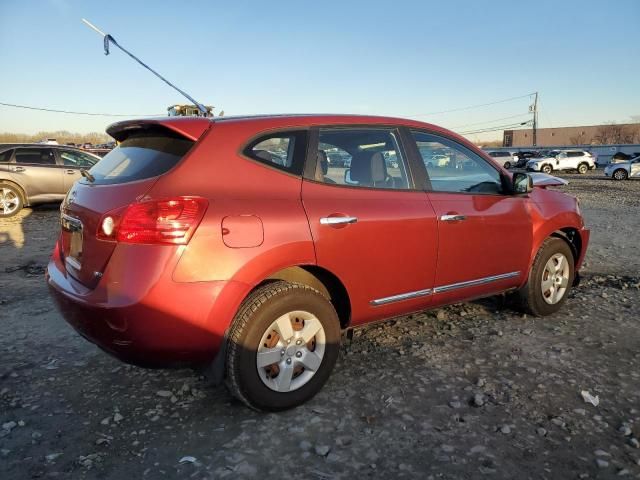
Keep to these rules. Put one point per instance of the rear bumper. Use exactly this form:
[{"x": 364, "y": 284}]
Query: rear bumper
[{"x": 152, "y": 321}]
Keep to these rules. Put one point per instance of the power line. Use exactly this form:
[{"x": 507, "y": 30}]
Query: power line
[
  {"x": 504, "y": 100},
  {"x": 42, "y": 109},
  {"x": 495, "y": 129},
  {"x": 491, "y": 121}
]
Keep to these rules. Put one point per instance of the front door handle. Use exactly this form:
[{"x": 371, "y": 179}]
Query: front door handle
[
  {"x": 71, "y": 172},
  {"x": 452, "y": 218},
  {"x": 337, "y": 220},
  {"x": 18, "y": 169}
]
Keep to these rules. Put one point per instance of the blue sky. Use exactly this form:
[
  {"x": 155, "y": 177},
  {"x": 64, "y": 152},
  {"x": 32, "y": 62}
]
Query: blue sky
[{"x": 402, "y": 58}]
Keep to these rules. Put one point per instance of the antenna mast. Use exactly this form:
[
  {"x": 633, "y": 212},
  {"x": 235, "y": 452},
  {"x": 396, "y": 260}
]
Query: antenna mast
[{"x": 109, "y": 39}]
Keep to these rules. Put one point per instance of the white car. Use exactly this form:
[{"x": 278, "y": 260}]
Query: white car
[
  {"x": 623, "y": 170},
  {"x": 563, "y": 160},
  {"x": 503, "y": 158}
]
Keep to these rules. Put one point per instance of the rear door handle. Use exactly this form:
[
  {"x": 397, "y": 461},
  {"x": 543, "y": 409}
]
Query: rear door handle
[
  {"x": 337, "y": 220},
  {"x": 18, "y": 169},
  {"x": 452, "y": 218},
  {"x": 71, "y": 172}
]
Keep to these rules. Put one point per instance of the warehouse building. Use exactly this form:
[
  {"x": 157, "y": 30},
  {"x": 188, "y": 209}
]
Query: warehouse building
[{"x": 585, "y": 135}]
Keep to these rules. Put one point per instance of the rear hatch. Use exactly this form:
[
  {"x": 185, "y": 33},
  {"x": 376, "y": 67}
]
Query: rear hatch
[{"x": 146, "y": 150}]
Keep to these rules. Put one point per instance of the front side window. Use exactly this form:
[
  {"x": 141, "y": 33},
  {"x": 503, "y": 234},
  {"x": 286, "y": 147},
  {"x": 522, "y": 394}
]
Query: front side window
[
  {"x": 454, "y": 168},
  {"x": 71, "y": 158},
  {"x": 283, "y": 150},
  {"x": 361, "y": 157},
  {"x": 35, "y": 156},
  {"x": 5, "y": 156}
]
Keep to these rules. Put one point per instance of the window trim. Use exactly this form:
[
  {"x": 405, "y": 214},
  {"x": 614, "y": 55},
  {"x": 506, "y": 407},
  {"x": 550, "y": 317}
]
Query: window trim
[
  {"x": 506, "y": 191},
  {"x": 312, "y": 156},
  {"x": 299, "y": 157}
]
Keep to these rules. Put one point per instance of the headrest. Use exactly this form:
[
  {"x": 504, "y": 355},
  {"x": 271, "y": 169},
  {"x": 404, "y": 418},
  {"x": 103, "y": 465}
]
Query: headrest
[
  {"x": 368, "y": 168},
  {"x": 322, "y": 166}
]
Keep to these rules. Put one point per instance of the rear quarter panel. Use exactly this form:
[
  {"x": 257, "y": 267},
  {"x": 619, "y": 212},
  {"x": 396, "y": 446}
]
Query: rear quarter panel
[{"x": 237, "y": 188}]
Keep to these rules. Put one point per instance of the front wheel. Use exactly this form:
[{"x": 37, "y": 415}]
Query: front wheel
[
  {"x": 507, "y": 165},
  {"x": 583, "y": 168},
  {"x": 620, "y": 174},
  {"x": 547, "y": 169},
  {"x": 283, "y": 344},
  {"x": 550, "y": 279}
]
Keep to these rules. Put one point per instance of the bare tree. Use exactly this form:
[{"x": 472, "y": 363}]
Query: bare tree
[{"x": 614, "y": 134}]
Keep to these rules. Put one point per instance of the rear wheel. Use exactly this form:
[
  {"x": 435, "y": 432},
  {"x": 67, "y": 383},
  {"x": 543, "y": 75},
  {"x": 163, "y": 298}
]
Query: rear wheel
[
  {"x": 583, "y": 168},
  {"x": 283, "y": 345},
  {"x": 547, "y": 168},
  {"x": 620, "y": 174},
  {"x": 10, "y": 200},
  {"x": 507, "y": 165},
  {"x": 550, "y": 279}
]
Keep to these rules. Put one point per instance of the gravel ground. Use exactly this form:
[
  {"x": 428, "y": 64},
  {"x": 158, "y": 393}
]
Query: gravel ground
[{"x": 474, "y": 390}]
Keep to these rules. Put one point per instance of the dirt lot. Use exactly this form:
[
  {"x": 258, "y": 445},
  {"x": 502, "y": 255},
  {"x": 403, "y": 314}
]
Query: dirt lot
[{"x": 471, "y": 391}]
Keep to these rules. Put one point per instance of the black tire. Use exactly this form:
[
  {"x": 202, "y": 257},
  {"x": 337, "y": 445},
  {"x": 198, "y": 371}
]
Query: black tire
[
  {"x": 546, "y": 169},
  {"x": 530, "y": 297},
  {"x": 619, "y": 174},
  {"x": 9, "y": 192},
  {"x": 507, "y": 165},
  {"x": 256, "y": 314},
  {"x": 583, "y": 168}
]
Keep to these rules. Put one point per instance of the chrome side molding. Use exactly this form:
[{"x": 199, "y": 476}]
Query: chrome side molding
[
  {"x": 443, "y": 289},
  {"x": 475, "y": 283},
  {"x": 400, "y": 297}
]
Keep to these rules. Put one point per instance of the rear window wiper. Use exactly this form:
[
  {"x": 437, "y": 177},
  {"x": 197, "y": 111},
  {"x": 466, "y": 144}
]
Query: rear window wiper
[{"x": 87, "y": 175}]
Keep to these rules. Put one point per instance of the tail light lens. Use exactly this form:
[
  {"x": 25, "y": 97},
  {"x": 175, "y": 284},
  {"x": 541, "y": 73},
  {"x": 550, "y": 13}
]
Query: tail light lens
[{"x": 168, "y": 221}]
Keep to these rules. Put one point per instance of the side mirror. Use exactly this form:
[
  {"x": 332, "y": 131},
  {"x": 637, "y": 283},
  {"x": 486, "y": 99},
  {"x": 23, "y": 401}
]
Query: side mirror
[{"x": 521, "y": 183}]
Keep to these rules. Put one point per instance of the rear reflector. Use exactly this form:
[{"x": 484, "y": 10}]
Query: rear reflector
[{"x": 168, "y": 221}]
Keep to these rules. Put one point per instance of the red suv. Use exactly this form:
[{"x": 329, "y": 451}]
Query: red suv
[{"x": 234, "y": 242}]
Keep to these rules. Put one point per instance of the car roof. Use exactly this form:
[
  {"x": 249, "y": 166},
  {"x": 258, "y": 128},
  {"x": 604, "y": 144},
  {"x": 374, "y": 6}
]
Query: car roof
[
  {"x": 9, "y": 146},
  {"x": 194, "y": 127}
]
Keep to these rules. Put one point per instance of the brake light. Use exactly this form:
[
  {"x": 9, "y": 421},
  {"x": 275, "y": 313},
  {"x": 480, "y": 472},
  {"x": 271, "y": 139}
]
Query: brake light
[{"x": 167, "y": 221}]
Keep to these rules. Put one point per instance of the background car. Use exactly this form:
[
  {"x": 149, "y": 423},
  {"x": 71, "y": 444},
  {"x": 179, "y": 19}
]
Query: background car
[
  {"x": 38, "y": 173},
  {"x": 504, "y": 158},
  {"x": 578, "y": 160},
  {"x": 521, "y": 158},
  {"x": 622, "y": 170}
]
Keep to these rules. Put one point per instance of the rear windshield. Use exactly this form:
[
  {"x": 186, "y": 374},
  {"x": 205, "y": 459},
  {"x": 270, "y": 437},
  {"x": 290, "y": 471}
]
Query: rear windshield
[{"x": 143, "y": 154}]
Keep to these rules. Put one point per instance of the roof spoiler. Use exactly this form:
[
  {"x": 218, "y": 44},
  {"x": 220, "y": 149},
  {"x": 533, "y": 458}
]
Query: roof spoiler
[{"x": 189, "y": 127}]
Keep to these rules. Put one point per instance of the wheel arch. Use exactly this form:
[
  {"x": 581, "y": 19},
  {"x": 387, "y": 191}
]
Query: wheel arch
[
  {"x": 322, "y": 280},
  {"x": 572, "y": 236},
  {"x": 21, "y": 190}
]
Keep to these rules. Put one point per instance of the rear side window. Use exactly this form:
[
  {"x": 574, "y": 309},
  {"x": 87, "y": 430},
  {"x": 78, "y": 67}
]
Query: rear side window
[
  {"x": 282, "y": 150},
  {"x": 143, "y": 154},
  {"x": 35, "y": 156}
]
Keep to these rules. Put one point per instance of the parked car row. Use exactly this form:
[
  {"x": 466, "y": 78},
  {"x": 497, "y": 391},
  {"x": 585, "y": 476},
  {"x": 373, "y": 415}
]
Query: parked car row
[{"x": 546, "y": 161}]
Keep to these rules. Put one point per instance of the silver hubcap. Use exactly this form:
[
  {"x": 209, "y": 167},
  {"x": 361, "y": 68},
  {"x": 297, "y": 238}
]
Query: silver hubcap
[
  {"x": 8, "y": 201},
  {"x": 555, "y": 278},
  {"x": 291, "y": 351},
  {"x": 619, "y": 175}
]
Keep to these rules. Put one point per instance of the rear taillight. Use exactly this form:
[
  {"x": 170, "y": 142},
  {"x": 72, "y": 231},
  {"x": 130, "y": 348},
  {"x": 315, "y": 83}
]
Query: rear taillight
[{"x": 167, "y": 221}]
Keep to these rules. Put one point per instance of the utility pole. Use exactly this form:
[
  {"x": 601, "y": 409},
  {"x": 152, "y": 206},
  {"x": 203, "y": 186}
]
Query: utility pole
[{"x": 534, "y": 110}]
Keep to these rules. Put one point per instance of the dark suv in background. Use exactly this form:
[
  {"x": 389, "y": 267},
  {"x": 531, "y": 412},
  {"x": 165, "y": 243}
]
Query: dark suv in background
[{"x": 38, "y": 173}]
